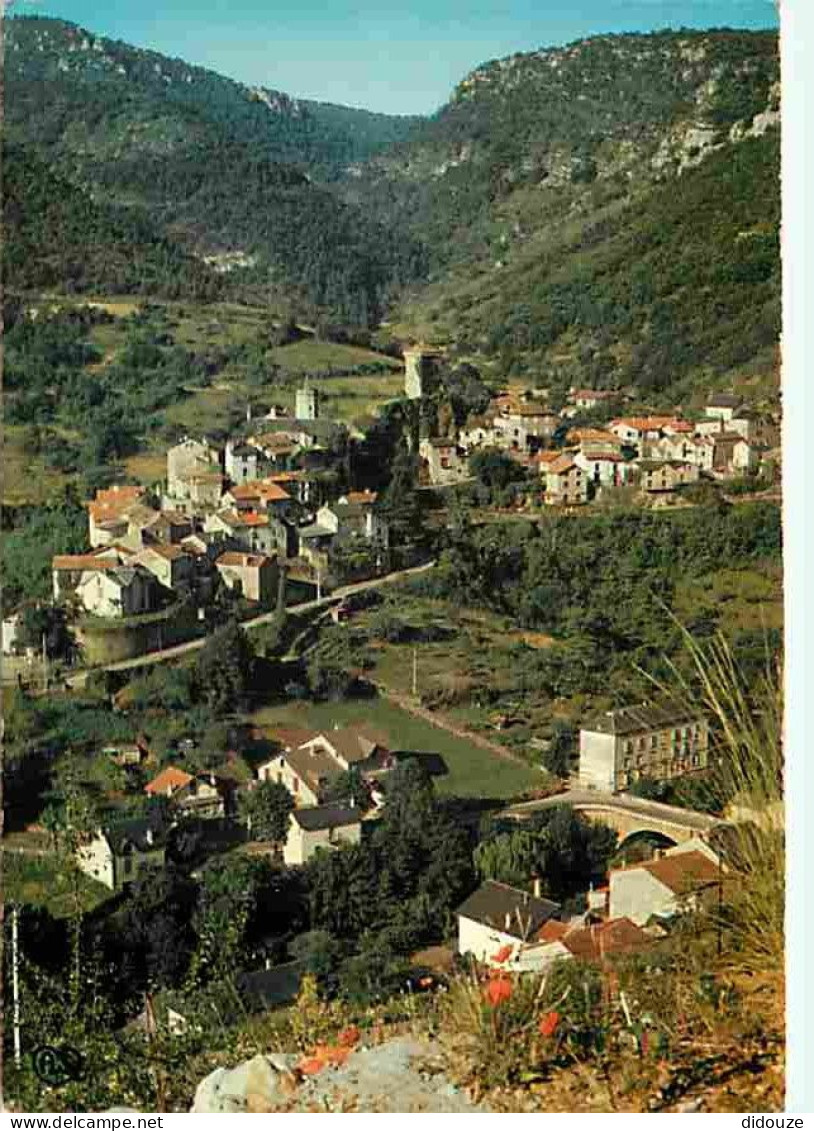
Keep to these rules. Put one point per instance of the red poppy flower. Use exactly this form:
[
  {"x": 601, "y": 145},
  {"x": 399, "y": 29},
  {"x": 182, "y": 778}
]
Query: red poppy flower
[
  {"x": 548, "y": 1023},
  {"x": 503, "y": 954},
  {"x": 349, "y": 1037},
  {"x": 498, "y": 990}
]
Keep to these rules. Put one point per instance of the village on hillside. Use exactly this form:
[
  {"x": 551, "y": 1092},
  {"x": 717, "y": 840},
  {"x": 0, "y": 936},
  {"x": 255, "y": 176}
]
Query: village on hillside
[
  {"x": 276, "y": 501},
  {"x": 230, "y": 528}
]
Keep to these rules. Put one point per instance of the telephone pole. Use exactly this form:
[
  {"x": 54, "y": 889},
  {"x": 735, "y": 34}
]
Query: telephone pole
[{"x": 15, "y": 983}]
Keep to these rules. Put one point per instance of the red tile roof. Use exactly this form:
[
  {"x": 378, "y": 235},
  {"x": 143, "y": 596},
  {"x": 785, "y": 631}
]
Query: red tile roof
[
  {"x": 644, "y": 423},
  {"x": 267, "y": 490},
  {"x": 355, "y": 497},
  {"x": 250, "y": 561},
  {"x": 616, "y": 936},
  {"x": 82, "y": 562},
  {"x": 562, "y": 464},
  {"x": 683, "y": 872},
  {"x": 552, "y": 931},
  {"x": 169, "y": 780},
  {"x": 545, "y": 457},
  {"x": 170, "y": 553}
]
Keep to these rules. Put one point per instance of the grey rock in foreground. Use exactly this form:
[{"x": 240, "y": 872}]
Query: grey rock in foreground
[{"x": 399, "y": 1076}]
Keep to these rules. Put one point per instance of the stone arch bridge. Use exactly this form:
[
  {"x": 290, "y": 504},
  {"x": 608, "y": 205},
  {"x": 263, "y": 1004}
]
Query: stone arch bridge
[{"x": 626, "y": 814}]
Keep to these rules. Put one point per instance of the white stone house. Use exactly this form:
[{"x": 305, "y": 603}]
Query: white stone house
[
  {"x": 733, "y": 455},
  {"x": 723, "y": 406},
  {"x": 241, "y": 461},
  {"x": 187, "y": 460},
  {"x": 67, "y": 569},
  {"x": 518, "y": 423},
  {"x": 478, "y": 432},
  {"x": 604, "y": 469},
  {"x": 123, "y": 591},
  {"x": 636, "y": 430},
  {"x": 116, "y": 856},
  {"x": 566, "y": 482},
  {"x": 321, "y": 828},
  {"x": 353, "y": 516},
  {"x": 498, "y": 916},
  {"x": 256, "y": 575},
  {"x": 681, "y": 880},
  {"x": 170, "y": 565},
  {"x": 309, "y": 761},
  {"x": 645, "y": 741}
]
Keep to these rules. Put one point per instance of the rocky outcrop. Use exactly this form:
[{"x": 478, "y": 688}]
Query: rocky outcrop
[{"x": 401, "y": 1075}]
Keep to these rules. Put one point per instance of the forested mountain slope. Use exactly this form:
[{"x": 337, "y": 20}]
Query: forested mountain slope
[
  {"x": 605, "y": 212},
  {"x": 215, "y": 165}
]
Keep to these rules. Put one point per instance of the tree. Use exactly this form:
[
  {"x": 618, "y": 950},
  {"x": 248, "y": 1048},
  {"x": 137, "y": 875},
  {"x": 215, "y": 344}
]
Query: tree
[
  {"x": 153, "y": 927},
  {"x": 349, "y": 787},
  {"x": 320, "y": 954},
  {"x": 49, "y": 623},
  {"x": 334, "y": 664},
  {"x": 558, "y": 759},
  {"x": 224, "y": 669},
  {"x": 495, "y": 470},
  {"x": 559, "y": 846},
  {"x": 267, "y": 809},
  {"x": 229, "y": 895},
  {"x": 508, "y": 857},
  {"x": 400, "y": 505}
]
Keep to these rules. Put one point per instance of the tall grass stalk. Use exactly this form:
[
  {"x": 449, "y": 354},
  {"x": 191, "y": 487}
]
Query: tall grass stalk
[{"x": 747, "y": 768}]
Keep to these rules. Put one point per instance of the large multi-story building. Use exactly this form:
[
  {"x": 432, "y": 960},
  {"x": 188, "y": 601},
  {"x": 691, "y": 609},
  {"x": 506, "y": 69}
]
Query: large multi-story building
[{"x": 661, "y": 742}]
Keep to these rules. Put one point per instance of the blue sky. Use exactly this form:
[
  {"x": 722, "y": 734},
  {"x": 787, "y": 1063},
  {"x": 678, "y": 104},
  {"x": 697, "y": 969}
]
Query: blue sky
[{"x": 393, "y": 58}]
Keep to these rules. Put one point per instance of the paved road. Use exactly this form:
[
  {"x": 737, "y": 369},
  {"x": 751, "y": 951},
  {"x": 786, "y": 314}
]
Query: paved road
[
  {"x": 623, "y": 803},
  {"x": 77, "y": 678}
]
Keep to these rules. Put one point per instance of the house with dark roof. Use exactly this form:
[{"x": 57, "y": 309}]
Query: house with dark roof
[
  {"x": 120, "y": 591},
  {"x": 684, "y": 879},
  {"x": 321, "y": 828},
  {"x": 241, "y": 461},
  {"x": 644, "y": 741},
  {"x": 115, "y": 856},
  {"x": 497, "y": 916},
  {"x": 723, "y": 406}
]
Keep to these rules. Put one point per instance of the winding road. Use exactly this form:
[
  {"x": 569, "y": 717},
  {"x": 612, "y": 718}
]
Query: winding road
[{"x": 178, "y": 651}]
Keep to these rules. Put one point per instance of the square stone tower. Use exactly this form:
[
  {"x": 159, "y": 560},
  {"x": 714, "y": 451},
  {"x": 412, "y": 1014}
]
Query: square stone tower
[
  {"x": 421, "y": 371},
  {"x": 307, "y": 403}
]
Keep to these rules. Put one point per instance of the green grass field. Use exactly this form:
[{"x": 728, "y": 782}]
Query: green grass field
[
  {"x": 473, "y": 771},
  {"x": 43, "y": 881}
]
